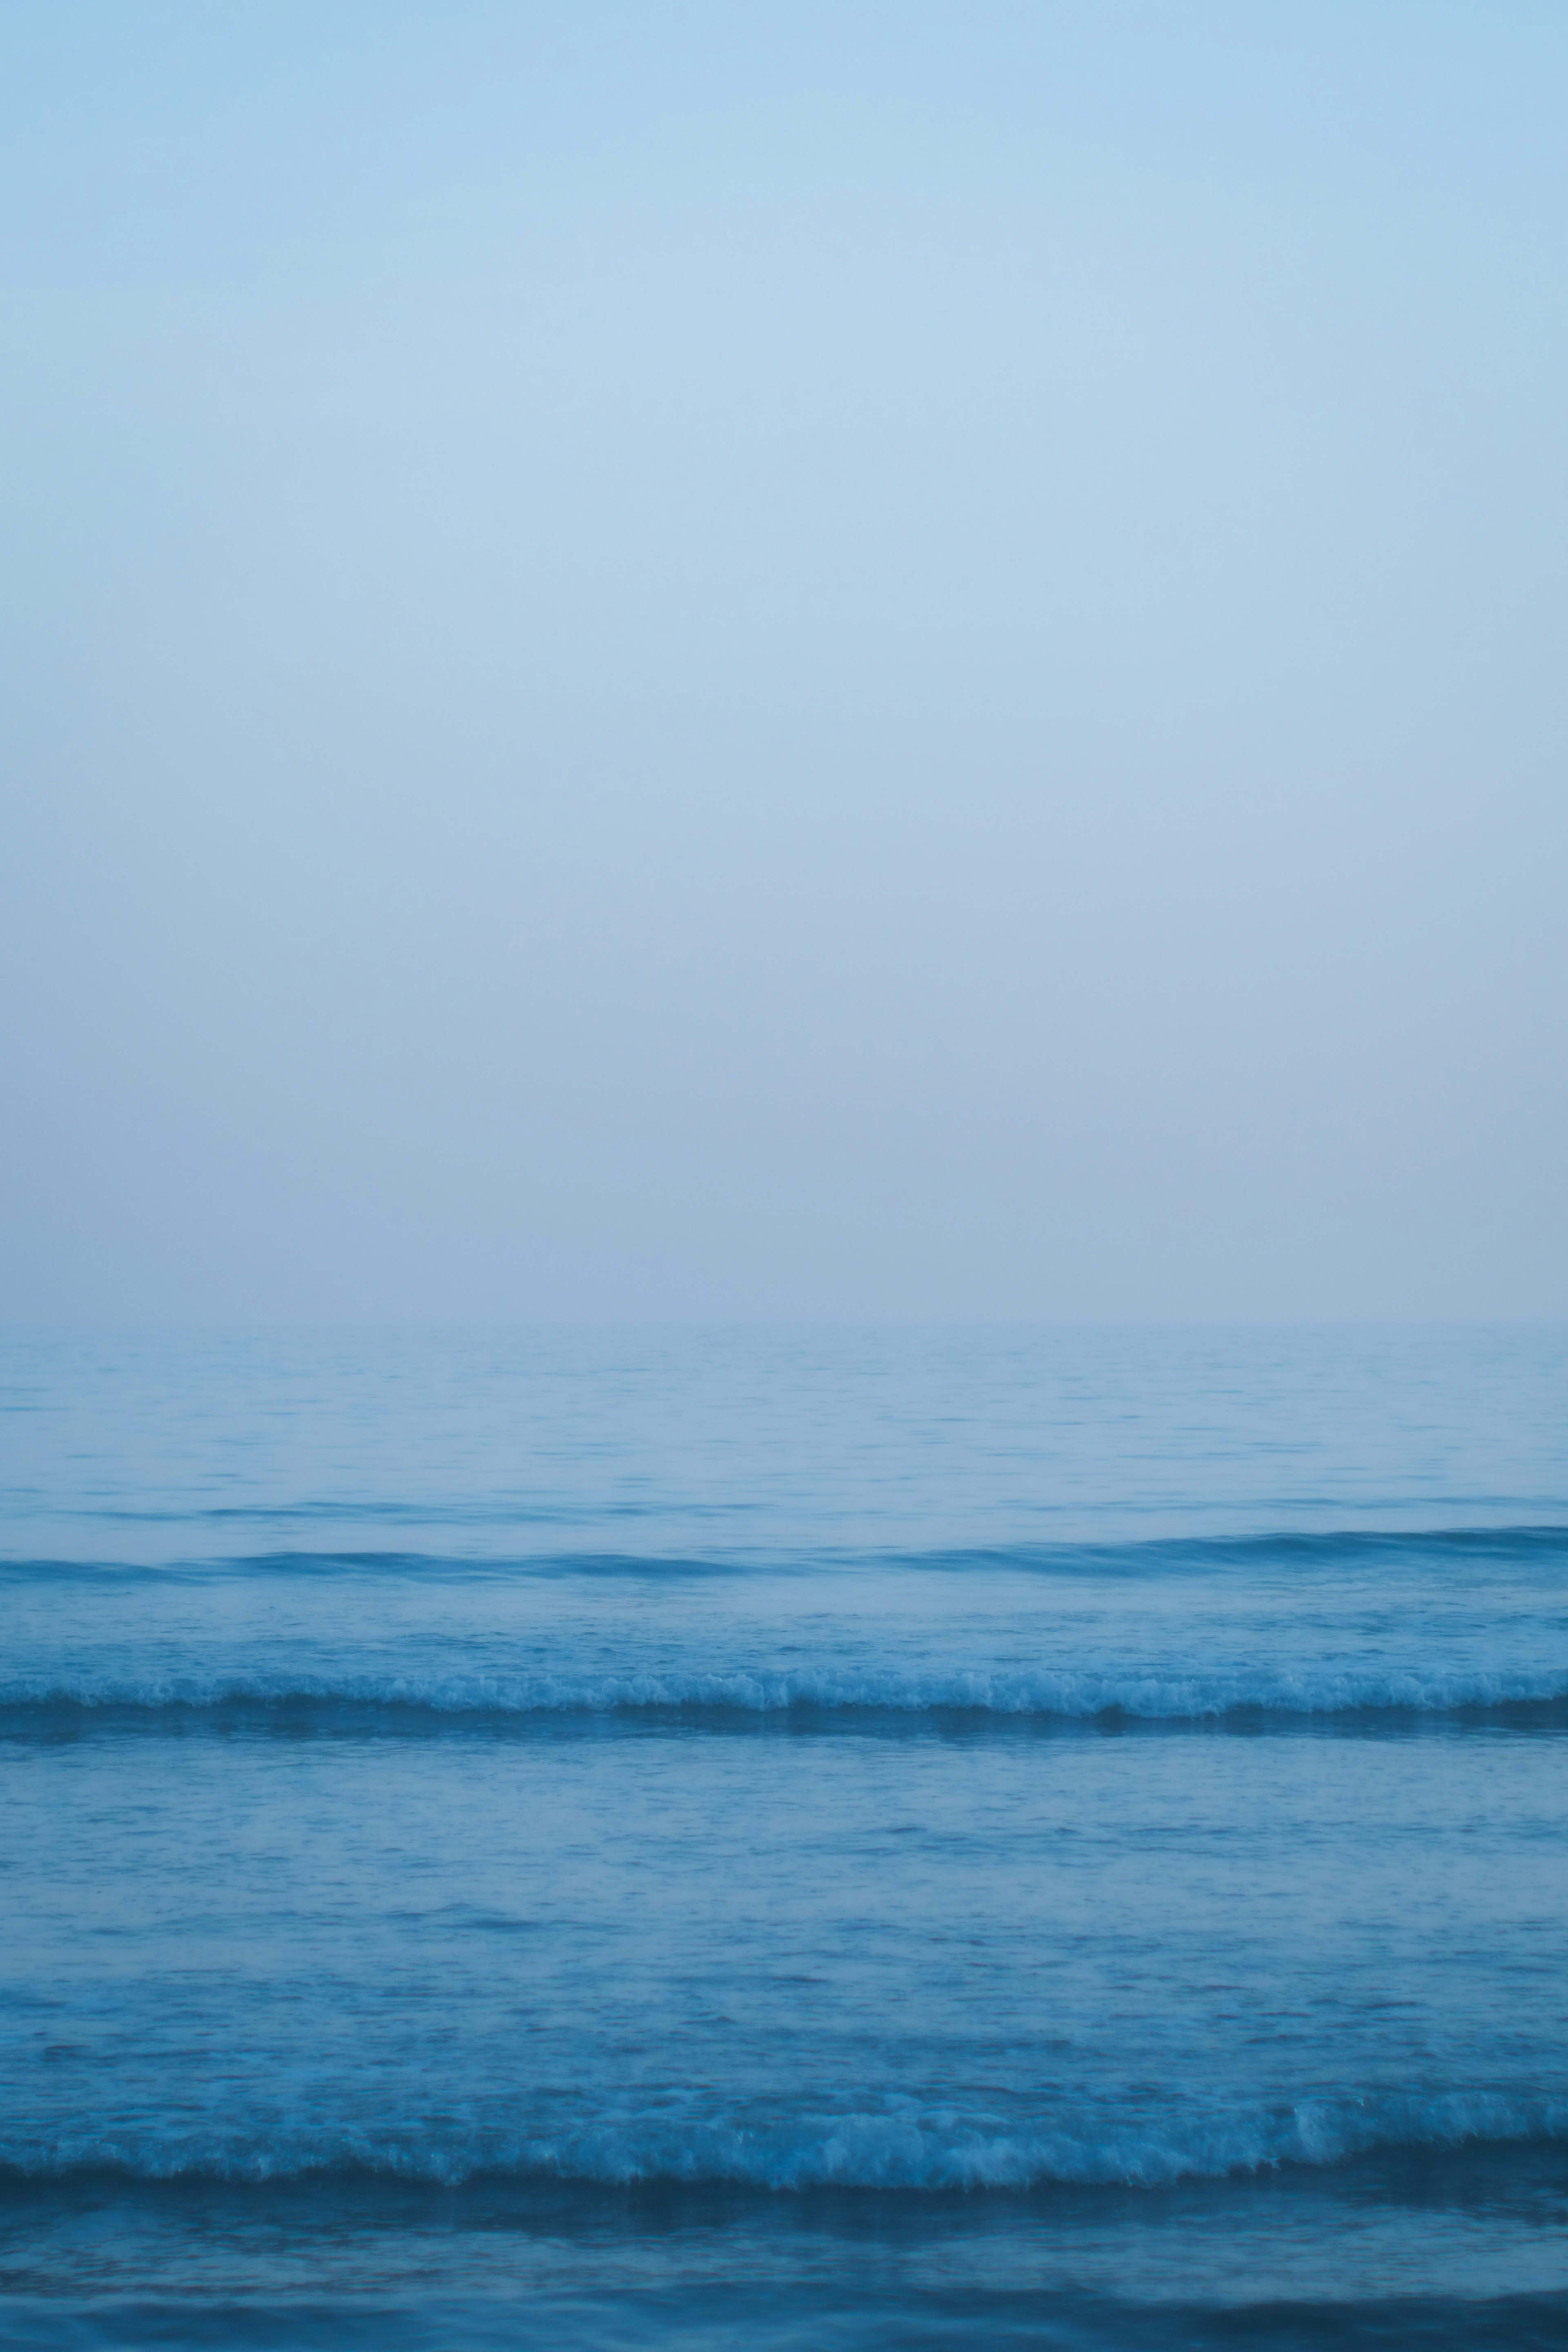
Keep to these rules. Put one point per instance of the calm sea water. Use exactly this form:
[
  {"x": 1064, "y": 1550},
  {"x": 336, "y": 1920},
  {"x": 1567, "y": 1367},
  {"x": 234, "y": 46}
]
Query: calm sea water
[{"x": 784, "y": 1839}]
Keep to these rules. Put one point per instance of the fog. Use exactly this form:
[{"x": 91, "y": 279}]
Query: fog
[{"x": 816, "y": 660}]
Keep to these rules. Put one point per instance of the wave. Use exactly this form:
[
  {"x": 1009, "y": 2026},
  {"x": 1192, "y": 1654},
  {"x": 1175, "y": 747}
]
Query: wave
[
  {"x": 926, "y": 2150},
  {"x": 1281, "y": 1547},
  {"x": 437, "y": 1702},
  {"x": 446, "y": 1568},
  {"x": 1324, "y": 1551}
]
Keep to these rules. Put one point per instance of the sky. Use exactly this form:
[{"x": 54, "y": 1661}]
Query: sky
[{"x": 743, "y": 661}]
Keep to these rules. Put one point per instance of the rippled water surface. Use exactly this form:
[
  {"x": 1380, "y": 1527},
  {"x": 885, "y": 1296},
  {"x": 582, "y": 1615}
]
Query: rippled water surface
[{"x": 858, "y": 1838}]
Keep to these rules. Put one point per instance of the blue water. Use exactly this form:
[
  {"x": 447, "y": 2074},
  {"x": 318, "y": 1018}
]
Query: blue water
[{"x": 831, "y": 1839}]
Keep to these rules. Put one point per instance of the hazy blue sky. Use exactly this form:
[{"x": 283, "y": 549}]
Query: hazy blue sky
[{"x": 783, "y": 659}]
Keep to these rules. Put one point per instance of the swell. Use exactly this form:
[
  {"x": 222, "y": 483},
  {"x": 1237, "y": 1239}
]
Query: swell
[
  {"x": 1389, "y": 1551},
  {"x": 922, "y": 2150},
  {"x": 437, "y": 1705},
  {"x": 862, "y": 2313}
]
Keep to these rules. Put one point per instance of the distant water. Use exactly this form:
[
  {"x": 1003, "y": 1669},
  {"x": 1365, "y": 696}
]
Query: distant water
[{"x": 793, "y": 1839}]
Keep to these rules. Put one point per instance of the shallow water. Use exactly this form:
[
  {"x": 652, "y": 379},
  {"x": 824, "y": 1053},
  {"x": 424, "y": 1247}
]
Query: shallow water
[{"x": 796, "y": 1838}]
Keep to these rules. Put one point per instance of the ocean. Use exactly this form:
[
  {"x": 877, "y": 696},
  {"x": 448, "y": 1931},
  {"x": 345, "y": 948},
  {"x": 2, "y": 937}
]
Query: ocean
[{"x": 784, "y": 1838}]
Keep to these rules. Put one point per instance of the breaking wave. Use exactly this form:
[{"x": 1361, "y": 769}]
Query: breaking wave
[
  {"x": 1043, "y": 1694},
  {"x": 922, "y": 2149}
]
